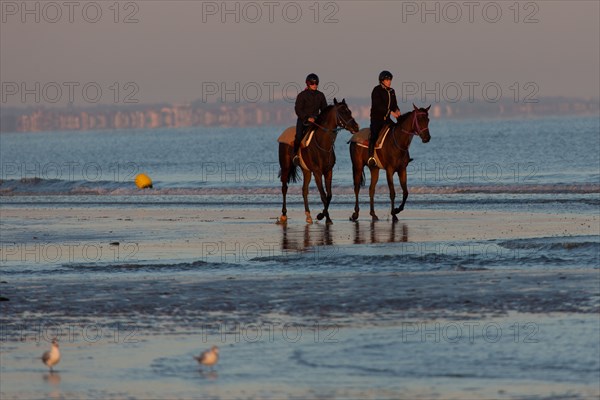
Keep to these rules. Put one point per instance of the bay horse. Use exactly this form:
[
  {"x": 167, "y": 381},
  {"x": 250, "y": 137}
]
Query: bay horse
[
  {"x": 318, "y": 158},
  {"x": 393, "y": 158}
]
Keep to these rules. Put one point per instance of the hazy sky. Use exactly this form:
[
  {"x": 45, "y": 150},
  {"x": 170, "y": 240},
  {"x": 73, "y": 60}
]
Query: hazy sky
[{"x": 178, "y": 51}]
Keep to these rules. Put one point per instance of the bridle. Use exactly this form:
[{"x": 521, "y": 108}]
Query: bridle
[
  {"x": 415, "y": 129},
  {"x": 340, "y": 122}
]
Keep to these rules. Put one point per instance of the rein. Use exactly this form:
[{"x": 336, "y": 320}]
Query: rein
[
  {"x": 339, "y": 126},
  {"x": 336, "y": 129},
  {"x": 415, "y": 129}
]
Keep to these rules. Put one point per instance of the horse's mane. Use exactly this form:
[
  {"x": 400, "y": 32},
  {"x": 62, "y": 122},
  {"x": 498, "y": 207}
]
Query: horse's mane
[
  {"x": 403, "y": 118},
  {"x": 321, "y": 118}
]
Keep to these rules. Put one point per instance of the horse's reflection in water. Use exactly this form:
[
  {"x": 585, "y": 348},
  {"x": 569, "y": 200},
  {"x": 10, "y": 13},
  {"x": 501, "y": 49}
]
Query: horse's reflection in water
[
  {"x": 379, "y": 233},
  {"x": 303, "y": 238},
  {"x": 308, "y": 236}
]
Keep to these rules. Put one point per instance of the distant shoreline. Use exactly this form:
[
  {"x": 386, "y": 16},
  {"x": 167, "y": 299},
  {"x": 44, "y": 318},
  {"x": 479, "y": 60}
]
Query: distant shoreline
[{"x": 243, "y": 114}]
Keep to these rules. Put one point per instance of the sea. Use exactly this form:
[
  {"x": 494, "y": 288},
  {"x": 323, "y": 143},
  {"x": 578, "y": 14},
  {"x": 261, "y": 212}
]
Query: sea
[
  {"x": 548, "y": 165},
  {"x": 538, "y": 163}
]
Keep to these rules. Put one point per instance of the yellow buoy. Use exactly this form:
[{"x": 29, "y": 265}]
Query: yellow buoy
[{"x": 143, "y": 181}]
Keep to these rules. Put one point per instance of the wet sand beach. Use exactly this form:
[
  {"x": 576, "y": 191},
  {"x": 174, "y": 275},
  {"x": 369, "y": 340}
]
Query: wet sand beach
[{"x": 442, "y": 304}]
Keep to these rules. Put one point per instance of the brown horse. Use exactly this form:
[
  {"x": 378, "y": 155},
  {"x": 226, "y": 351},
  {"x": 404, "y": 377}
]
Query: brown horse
[
  {"x": 318, "y": 158},
  {"x": 393, "y": 158}
]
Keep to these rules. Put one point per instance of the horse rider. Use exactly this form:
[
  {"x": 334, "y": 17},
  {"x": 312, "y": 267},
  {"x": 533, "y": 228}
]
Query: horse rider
[
  {"x": 309, "y": 104},
  {"x": 383, "y": 105}
]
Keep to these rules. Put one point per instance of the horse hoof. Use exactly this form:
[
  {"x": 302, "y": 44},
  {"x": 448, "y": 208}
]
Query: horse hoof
[
  {"x": 320, "y": 216},
  {"x": 328, "y": 221},
  {"x": 394, "y": 218},
  {"x": 354, "y": 217},
  {"x": 309, "y": 219},
  {"x": 374, "y": 218},
  {"x": 282, "y": 219}
]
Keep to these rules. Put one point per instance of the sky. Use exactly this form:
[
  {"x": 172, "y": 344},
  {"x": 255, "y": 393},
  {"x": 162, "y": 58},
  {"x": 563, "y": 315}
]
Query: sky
[{"x": 108, "y": 52}]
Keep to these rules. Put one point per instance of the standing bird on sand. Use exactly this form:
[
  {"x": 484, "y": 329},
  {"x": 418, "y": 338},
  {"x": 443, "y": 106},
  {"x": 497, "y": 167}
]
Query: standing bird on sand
[
  {"x": 209, "y": 357},
  {"x": 52, "y": 356}
]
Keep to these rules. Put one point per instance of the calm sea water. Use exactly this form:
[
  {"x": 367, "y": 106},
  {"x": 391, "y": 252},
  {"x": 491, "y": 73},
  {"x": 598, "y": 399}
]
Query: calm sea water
[{"x": 537, "y": 156}]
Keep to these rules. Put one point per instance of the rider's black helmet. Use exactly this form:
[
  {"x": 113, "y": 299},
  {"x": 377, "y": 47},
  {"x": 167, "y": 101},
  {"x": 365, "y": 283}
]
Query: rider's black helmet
[
  {"x": 385, "y": 75},
  {"x": 312, "y": 78}
]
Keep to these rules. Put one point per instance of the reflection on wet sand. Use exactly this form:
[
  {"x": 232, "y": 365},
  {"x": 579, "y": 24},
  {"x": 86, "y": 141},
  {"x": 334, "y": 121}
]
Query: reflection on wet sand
[
  {"x": 380, "y": 233},
  {"x": 301, "y": 238},
  {"x": 53, "y": 378},
  {"x": 208, "y": 375}
]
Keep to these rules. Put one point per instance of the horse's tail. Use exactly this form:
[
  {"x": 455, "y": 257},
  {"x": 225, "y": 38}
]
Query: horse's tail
[
  {"x": 293, "y": 173},
  {"x": 285, "y": 162},
  {"x": 355, "y": 162}
]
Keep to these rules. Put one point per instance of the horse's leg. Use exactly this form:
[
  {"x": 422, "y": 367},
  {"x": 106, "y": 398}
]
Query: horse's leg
[
  {"x": 402, "y": 175},
  {"x": 328, "y": 179},
  {"x": 325, "y": 196},
  {"x": 356, "y": 175},
  {"x": 389, "y": 174},
  {"x": 284, "y": 164},
  {"x": 305, "y": 195},
  {"x": 284, "y": 189},
  {"x": 374, "y": 178}
]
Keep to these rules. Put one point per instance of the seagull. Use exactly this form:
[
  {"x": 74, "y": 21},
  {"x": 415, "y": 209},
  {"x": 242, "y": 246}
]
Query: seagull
[
  {"x": 209, "y": 357},
  {"x": 52, "y": 356}
]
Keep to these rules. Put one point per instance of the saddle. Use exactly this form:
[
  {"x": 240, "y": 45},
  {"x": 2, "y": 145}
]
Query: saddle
[
  {"x": 361, "y": 138},
  {"x": 289, "y": 134}
]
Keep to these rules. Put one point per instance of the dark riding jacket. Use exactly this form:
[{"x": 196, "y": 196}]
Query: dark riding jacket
[
  {"x": 383, "y": 101},
  {"x": 309, "y": 103}
]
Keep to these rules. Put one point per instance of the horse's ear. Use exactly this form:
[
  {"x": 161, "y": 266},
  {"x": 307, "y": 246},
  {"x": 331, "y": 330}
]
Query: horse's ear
[
  {"x": 343, "y": 101},
  {"x": 335, "y": 101},
  {"x": 415, "y": 107},
  {"x": 427, "y": 109}
]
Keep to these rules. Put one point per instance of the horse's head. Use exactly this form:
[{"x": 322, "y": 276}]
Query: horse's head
[
  {"x": 344, "y": 116},
  {"x": 420, "y": 123}
]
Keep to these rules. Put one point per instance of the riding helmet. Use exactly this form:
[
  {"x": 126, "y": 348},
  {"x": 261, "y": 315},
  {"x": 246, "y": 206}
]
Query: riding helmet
[
  {"x": 385, "y": 75},
  {"x": 312, "y": 78}
]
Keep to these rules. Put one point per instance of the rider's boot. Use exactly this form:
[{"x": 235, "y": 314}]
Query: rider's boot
[
  {"x": 371, "y": 161},
  {"x": 295, "y": 158}
]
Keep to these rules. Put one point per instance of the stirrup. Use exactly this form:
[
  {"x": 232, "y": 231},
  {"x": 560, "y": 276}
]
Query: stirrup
[{"x": 371, "y": 162}]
